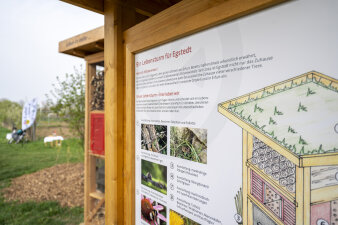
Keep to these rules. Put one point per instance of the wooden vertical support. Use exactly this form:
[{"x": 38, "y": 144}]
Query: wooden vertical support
[
  {"x": 300, "y": 195},
  {"x": 129, "y": 173},
  {"x": 249, "y": 156},
  {"x": 129, "y": 141},
  {"x": 307, "y": 195},
  {"x": 245, "y": 177},
  {"x": 114, "y": 113},
  {"x": 90, "y": 170}
]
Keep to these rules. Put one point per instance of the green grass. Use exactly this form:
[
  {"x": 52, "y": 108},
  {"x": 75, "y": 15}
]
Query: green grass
[
  {"x": 17, "y": 160},
  {"x": 32, "y": 213}
]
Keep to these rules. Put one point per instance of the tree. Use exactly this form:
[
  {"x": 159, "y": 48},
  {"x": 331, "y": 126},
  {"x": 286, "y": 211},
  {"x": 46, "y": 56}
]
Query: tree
[
  {"x": 10, "y": 113},
  {"x": 68, "y": 101}
]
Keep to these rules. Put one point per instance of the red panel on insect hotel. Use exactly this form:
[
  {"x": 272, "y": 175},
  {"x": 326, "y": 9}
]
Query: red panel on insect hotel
[{"x": 97, "y": 133}]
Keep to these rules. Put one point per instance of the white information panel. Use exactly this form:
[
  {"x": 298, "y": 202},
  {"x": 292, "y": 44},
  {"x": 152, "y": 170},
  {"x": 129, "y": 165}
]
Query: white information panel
[{"x": 190, "y": 116}]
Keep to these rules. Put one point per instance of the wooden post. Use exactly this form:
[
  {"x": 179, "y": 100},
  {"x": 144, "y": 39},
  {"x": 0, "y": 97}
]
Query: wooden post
[
  {"x": 307, "y": 195},
  {"x": 300, "y": 195},
  {"x": 114, "y": 113},
  {"x": 248, "y": 180},
  {"x": 129, "y": 173},
  {"x": 90, "y": 182},
  {"x": 245, "y": 177}
]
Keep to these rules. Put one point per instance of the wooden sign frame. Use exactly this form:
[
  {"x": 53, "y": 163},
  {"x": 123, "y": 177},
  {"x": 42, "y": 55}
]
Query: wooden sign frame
[{"x": 180, "y": 20}]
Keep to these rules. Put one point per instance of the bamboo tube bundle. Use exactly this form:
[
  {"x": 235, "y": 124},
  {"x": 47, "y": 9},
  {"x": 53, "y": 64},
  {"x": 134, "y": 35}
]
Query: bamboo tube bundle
[
  {"x": 261, "y": 165},
  {"x": 254, "y": 160},
  {"x": 283, "y": 165},
  {"x": 283, "y": 174},
  {"x": 289, "y": 163},
  {"x": 261, "y": 159},
  {"x": 275, "y": 160},
  {"x": 97, "y": 98},
  {"x": 275, "y": 168},
  {"x": 291, "y": 179},
  {"x": 283, "y": 181},
  {"x": 291, "y": 170},
  {"x": 274, "y": 164},
  {"x": 275, "y": 154},
  {"x": 275, "y": 176},
  {"x": 282, "y": 158},
  {"x": 291, "y": 187},
  {"x": 268, "y": 170},
  {"x": 269, "y": 155}
]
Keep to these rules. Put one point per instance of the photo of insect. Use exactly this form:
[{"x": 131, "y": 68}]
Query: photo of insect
[{"x": 153, "y": 212}]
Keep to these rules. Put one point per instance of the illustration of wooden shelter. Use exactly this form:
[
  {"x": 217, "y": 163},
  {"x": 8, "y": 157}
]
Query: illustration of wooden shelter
[{"x": 290, "y": 151}]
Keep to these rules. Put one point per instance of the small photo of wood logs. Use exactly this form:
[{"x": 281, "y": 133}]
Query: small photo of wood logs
[
  {"x": 154, "y": 138},
  {"x": 97, "y": 91}
]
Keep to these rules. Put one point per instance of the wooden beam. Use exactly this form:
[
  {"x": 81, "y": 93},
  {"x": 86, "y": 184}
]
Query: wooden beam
[
  {"x": 99, "y": 45},
  {"x": 144, "y": 13},
  {"x": 149, "y": 7},
  {"x": 92, "y": 5},
  {"x": 176, "y": 21},
  {"x": 88, "y": 37},
  {"x": 324, "y": 194},
  {"x": 78, "y": 53},
  {"x": 114, "y": 111}
]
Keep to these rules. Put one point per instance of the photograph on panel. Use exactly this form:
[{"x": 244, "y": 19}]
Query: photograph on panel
[
  {"x": 154, "y": 176},
  {"x": 189, "y": 143},
  {"x": 153, "y": 212},
  {"x": 178, "y": 219},
  {"x": 154, "y": 138}
]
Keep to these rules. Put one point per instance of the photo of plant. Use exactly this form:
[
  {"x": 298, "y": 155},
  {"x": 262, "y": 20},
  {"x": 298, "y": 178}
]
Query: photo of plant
[
  {"x": 153, "y": 212},
  {"x": 154, "y": 176},
  {"x": 189, "y": 143},
  {"x": 154, "y": 138},
  {"x": 178, "y": 219}
]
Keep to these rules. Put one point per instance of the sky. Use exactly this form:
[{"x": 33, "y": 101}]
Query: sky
[{"x": 30, "y": 33}]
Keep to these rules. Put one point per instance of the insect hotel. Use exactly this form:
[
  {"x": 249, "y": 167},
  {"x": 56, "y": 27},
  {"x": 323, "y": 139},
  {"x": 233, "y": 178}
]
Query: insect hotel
[{"x": 290, "y": 151}]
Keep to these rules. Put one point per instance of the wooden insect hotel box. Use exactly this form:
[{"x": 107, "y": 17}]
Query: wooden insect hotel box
[
  {"x": 90, "y": 47},
  {"x": 290, "y": 151}
]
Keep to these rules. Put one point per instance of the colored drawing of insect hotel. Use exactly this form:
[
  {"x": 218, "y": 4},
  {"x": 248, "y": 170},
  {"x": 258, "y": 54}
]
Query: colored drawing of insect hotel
[{"x": 290, "y": 151}]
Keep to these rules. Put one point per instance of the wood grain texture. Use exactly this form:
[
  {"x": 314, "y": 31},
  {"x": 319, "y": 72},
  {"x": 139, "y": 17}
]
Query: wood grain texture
[
  {"x": 129, "y": 170},
  {"x": 88, "y": 37},
  {"x": 187, "y": 17},
  {"x": 90, "y": 170},
  {"x": 307, "y": 195},
  {"x": 245, "y": 176},
  {"x": 114, "y": 109},
  {"x": 95, "y": 58},
  {"x": 325, "y": 194},
  {"x": 300, "y": 195},
  {"x": 92, "y": 5}
]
